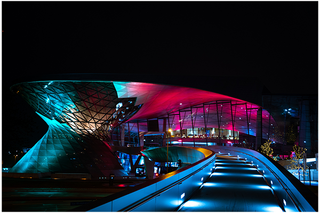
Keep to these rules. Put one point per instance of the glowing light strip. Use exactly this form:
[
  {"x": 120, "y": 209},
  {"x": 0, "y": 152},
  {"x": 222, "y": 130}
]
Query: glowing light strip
[
  {"x": 198, "y": 143},
  {"x": 236, "y": 168},
  {"x": 247, "y": 186}
]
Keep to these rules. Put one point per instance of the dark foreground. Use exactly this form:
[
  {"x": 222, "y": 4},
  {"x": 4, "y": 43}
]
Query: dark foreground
[{"x": 55, "y": 195}]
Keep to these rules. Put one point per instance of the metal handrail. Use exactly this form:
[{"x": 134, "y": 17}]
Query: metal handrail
[
  {"x": 159, "y": 192},
  {"x": 279, "y": 180}
]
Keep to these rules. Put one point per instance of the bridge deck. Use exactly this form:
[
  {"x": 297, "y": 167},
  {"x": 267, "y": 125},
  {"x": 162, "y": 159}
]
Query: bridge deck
[{"x": 234, "y": 186}]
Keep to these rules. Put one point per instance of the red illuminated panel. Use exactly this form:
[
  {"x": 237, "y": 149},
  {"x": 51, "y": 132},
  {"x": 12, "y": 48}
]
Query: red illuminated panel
[
  {"x": 158, "y": 100},
  {"x": 161, "y": 100}
]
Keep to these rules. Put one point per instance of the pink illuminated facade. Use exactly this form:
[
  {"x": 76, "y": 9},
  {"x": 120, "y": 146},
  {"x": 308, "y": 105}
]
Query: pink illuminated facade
[{"x": 194, "y": 113}]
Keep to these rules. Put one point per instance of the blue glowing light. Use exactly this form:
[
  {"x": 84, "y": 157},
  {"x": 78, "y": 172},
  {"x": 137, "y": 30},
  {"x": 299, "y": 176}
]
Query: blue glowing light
[
  {"x": 182, "y": 195},
  {"x": 120, "y": 88},
  {"x": 210, "y": 184},
  {"x": 238, "y": 168},
  {"x": 218, "y": 173},
  {"x": 272, "y": 209},
  {"x": 44, "y": 155},
  {"x": 247, "y": 186},
  {"x": 192, "y": 203},
  {"x": 261, "y": 187}
]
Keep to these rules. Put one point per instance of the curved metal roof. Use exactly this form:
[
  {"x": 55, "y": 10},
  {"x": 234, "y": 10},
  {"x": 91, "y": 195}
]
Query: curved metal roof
[
  {"x": 241, "y": 87},
  {"x": 83, "y": 104}
]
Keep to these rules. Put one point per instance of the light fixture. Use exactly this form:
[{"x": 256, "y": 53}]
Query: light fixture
[{"x": 182, "y": 195}]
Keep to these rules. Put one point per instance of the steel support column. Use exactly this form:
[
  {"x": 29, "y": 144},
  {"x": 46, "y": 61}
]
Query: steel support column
[
  {"x": 180, "y": 123},
  {"x": 232, "y": 120},
  {"x": 247, "y": 118},
  {"x": 205, "y": 124},
  {"x": 169, "y": 127},
  {"x": 194, "y": 143},
  {"x": 218, "y": 117}
]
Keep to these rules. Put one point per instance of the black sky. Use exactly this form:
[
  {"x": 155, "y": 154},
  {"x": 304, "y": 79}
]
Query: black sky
[{"x": 275, "y": 41}]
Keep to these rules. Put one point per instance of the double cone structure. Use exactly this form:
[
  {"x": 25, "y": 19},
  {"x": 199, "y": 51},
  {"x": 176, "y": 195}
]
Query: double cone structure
[{"x": 80, "y": 116}]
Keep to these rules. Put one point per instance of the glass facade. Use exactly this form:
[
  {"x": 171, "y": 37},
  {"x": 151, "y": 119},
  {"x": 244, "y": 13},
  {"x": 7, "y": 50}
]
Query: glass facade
[
  {"x": 89, "y": 108},
  {"x": 216, "y": 122},
  {"x": 297, "y": 119},
  {"x": 80, "y": 115}
]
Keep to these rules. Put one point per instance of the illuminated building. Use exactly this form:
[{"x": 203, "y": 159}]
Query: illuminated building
[{"x": 85, "y": 117}]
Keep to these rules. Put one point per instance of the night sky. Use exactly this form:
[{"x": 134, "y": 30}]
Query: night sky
[{"x": 277, "y": 42}]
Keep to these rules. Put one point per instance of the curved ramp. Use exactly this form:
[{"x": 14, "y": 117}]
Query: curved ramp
[
  {"x": 236, "y": 179},
  {"x": 234, "y": 186},
  {"x": 289, "y": 192}
]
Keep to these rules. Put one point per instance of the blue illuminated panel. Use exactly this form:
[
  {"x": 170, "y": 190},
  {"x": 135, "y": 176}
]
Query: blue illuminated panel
[{"x": 53, "y": 152}]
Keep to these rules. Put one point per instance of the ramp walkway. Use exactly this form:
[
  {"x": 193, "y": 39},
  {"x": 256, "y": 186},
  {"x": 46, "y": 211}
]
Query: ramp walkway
[
  {"x": 234, "y": 186},
  {"x": 223, "y": 180}
]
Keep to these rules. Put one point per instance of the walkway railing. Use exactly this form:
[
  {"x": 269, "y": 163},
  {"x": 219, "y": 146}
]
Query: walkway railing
[
  {"x": 165, "y": 193},
  {"x": 293, "y": 195},
  {"x": 168, "y": 192}
]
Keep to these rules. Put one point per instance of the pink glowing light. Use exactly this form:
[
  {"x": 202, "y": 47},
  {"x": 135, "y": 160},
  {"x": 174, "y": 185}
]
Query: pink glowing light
[{"x": 161, "y": 100}]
